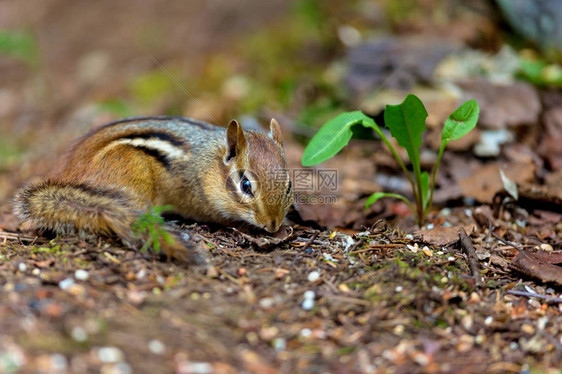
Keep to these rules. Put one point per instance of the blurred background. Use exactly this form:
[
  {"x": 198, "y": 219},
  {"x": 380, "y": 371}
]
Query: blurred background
[{"x": 69, "y": 66}]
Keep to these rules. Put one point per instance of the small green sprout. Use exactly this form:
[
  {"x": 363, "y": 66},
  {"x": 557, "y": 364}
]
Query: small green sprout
[
  {"x": 406, "y": 123},
  {"x": 152, "y": 224}
]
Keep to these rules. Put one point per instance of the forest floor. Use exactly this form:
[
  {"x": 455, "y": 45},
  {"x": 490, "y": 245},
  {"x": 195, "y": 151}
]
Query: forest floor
[{"x": 349, "y": 290}]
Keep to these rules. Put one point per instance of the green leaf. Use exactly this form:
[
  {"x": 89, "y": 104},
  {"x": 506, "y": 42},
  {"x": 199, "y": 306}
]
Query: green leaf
[
  {"x": 333, "y": 136},
  {"x": 406, "y": 122},
  {"x": 379, "y": 195},
  {"x": 20, "y": 45},
  {"x": 461, "y": 121},
  {"x": 424, "y": 179}
]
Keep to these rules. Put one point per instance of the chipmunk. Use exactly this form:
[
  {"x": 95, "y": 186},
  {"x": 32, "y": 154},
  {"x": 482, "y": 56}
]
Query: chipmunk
[{"x": 208, "y": 173}]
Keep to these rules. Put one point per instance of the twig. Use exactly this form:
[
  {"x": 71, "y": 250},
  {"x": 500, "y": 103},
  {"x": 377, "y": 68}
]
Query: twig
[
  {"x": 357, "y": 244},
  {"x": 13, "y": 236},
  {"x": 468, "y": 248},
  {"x": 550, "y": 299},
  {"x": 308, "y": 243},
  {"x": 372, "y": 247},
  {"x": 506, "y": 242}
]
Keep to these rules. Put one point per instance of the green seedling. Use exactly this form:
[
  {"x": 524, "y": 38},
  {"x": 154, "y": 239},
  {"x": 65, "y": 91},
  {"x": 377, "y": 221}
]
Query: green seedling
[
  {"x": 406, "y": 123},
  {"x": 150, "y": 224}
]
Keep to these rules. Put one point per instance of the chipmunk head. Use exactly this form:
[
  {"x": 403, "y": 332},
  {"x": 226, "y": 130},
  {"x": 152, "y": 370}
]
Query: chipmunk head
[{"x": 257, "y": 178}]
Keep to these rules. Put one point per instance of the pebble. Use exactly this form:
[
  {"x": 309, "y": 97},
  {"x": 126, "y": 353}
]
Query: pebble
[
  {"x": 58, "y": 362},
  {"x": 194, "y": 367},
  {"x": 66, "y": 283},
  {"x": 156, "y": 346},
  {"x": 110, "y": 355},
  {"x": 119, "y": 368},
  {"x": 79, "y": 334},
  {"x": 313, "y": 276},
  {"x": 266, "y": 302},
  {"x": 308, "y": 302},
  {"x": 279, "y": 344},
  {"x": 306, "y": 332},
  {"x": 414, "y": 248},
  {"x": 81, "y": 274},
  {"x": 349, "y": 36},
  {"x": 398, "y": 289},
  {"x": 328, "y": 257},
  {"x": 22, "y": 267}
]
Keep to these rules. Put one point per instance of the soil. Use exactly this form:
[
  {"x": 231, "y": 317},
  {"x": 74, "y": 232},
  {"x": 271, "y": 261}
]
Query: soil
[{"x": 349, "y": 291}]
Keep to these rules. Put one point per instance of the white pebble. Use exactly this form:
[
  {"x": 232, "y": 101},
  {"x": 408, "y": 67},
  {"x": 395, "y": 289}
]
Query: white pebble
[
  {"x": 197, "y": 368},
  {"x": 398, "y": 289},
  {"x": 81, "y": 274},
  {"x": 450, "y": 258},
  {"x": 110, "y": 355},
  {"x": 308, "y": 304},
  {"x": 309, "y": 294},
  {"x": 58, "y": 362},
  {"x": 430, "y": 226},
  {"x": 313, "y": 276},
  {"x": 118, "y": 368},
  {"x": 22, "y": 267},
  {"x": 36, "y": 271},
  {"x": 66, "y": 283},
  {"x": 141, "y": 274},
  {"x": 156, "y": 346},
  {"x": 348, "y": 242},
  {"x": 79, "y": 334},
  {"x": 267, "y": 302},
  {"x": 488, "y": 320},
  {"x": 306, "y": 332},
  {"x": 446, "y": 212},
  {"x": 279, "y": 344},
  {"x": 328, "y": 257}
]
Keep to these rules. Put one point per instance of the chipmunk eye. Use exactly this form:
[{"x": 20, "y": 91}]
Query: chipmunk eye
[{"x": 246, "y": 186}]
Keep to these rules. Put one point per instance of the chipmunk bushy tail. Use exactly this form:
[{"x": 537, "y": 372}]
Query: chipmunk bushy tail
[{"x": 65, "y": 208}]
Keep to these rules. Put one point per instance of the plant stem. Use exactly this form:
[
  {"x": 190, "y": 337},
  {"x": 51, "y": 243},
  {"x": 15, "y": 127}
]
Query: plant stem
[
  {"x": 433, "y": 176},
  {"x": 419, "y": 197},
  {"x": 379, "y": 132}
]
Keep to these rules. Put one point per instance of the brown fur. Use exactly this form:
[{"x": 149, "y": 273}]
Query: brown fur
[{"x": 118, "y": 171}]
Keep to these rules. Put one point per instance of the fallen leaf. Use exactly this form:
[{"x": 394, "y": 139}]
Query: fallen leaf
[{"x": 441, "y": 236}]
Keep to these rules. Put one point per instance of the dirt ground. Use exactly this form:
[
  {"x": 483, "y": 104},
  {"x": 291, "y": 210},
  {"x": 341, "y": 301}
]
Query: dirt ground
[{"x": 349, "y": 290}]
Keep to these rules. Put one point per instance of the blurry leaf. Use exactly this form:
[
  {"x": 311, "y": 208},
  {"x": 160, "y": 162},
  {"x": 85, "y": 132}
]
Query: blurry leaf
[
  {"x": 10, "y": 153},
  {"x": 20, "y": 45},
  {"x": 406, "y": 122},
  {"x": 118, "y": 107},
  {"x": 151, "y": 86},
  {"x": 509, "y": 186},
  {"x": 333, "y": 136},
  {"x": 461, "y": 121},
  {"x": 379, "y": 195},
  {"x": 540, "y": 73}
]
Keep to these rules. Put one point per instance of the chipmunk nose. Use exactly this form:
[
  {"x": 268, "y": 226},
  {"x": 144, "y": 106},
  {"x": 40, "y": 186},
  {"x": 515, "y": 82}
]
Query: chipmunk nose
[{"x": 272, "y": 227}]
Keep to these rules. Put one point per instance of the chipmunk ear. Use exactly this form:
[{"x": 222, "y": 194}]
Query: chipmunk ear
[
  {"x": 235, "y": 140},
  {"x": 275, "y": 132}
]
